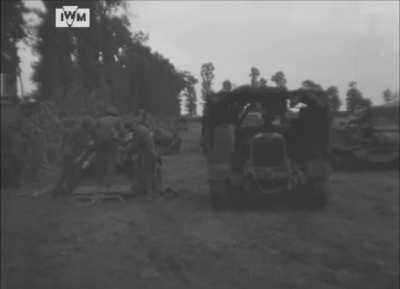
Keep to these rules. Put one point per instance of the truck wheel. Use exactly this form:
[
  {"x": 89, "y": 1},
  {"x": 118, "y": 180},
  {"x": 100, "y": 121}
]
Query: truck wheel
[{"x": 219, "y": 194}]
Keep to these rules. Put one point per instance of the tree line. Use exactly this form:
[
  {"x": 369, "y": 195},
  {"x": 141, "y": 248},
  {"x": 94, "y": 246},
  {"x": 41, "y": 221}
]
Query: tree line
[
  {"x": 354, "y": 97},
  {"x": 83, "y": 70}
]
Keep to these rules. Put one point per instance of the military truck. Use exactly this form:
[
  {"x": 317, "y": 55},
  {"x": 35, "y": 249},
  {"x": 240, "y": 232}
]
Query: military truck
[
  {"x": 251, "y": 148},
  {"x": 368, "y": 138}
]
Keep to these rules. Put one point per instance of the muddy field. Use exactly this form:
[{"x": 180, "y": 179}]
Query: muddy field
[{"x": 181, "y": 242}]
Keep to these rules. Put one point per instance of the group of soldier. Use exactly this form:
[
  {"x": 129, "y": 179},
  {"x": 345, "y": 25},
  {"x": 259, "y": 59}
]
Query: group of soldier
[{"x": 102, "y": 144}]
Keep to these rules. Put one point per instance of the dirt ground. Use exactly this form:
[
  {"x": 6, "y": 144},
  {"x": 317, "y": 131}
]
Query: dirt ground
[{"x": 182, "y": 242}]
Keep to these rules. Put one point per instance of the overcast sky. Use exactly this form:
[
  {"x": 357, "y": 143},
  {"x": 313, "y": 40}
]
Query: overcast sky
[{"x": 331, "y": 43}]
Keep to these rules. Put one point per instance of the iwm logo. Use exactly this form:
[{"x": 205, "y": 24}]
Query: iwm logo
[{"x": 72, "y": 16}]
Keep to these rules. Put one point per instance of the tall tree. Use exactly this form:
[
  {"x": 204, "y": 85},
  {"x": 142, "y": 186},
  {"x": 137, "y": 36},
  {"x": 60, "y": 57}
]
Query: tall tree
[
  {"x": 313, "y": 86},
  {"x": 227, "y": 85},
  {"x": 12, "y": 32},
  {"x": 207, "y": 76},
  {"x": 310, "y": 84},
  {"x": 58, "y": 70},
  {"x": 280, "y": 79},
  {"x": 333, "y": 98},
  {"x": 355, "y": 99},
  {"x": 254, "y": 74},
  {"x": 263, "y": 82},
  {"x": 190, "y": 93},
  {"x": 103, "y": 65},
  {"x": 388, "y": 95}
]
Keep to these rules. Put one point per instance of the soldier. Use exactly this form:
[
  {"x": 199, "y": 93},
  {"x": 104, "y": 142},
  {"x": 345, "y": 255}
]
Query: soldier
[
  {"x": 77, "y": 136},
  {"x": 107, "y": 135},
  {"x": 145, "y": 164},
  {"x": 310, "y": 131}
]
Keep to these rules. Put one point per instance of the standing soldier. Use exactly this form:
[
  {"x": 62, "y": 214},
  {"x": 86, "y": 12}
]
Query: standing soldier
[
  {"x": 107, "y": 145},
  {"x": 145, "y": 164}
]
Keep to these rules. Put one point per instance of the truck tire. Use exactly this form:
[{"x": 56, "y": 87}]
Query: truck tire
[{"x": 219, "y": 194}]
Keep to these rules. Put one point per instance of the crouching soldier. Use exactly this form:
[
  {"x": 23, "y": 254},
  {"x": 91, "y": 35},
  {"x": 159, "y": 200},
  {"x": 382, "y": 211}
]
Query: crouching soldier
[{"x": 146, "y": 162}]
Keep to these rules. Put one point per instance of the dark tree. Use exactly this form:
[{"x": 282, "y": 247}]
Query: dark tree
[
  {"x": 309, "y": 84},
  {"x": 207, "y": 76},
  {"x": 190, "y": 93},
  {"x": 254, "y": 74},
  {"x": 280, "y": 79},
  {"x": 313, "y": 86},
  {"x": 86, "y": 69},
  {"x": 388, "y": 95},
  {"x": 12, "y": 31},
  {"x": 226, "y": 85},
  {"x": 263, "y": 82},
  {"x": 333, "y": 98},
  {"x": 354, "y": 97}
]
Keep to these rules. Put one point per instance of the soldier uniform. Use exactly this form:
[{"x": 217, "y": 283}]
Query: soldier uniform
[
  {"x": 107, "y": 133},
  {"x": 142, "y": 145},
  {"x": 75, "y": 140}
]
